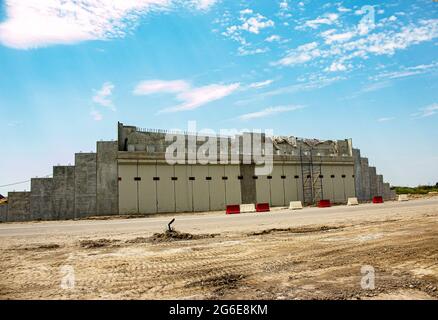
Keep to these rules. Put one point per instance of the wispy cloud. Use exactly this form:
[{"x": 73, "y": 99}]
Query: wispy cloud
[
  {"x": 385, "y": 119},
  {"x": 427, "y": 111},
  {"x": 405, "y": 72},
  {"x": 103, "y": 95},
  {"x": 269, "y": 112},
  {"x": 261, "y": 84},
  {"x": 96, "y": 115},
  {"x": 36, "y": 23},
  {"x": 161, "y": 86},
  {"x": 197, "y": 97},
  {"x": 190, "y": 97}
]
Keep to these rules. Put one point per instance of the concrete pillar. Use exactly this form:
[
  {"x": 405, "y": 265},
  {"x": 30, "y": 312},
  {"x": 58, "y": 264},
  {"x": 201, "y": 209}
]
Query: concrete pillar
[
  {"x": 85, "y": 184},
  {"x": 380, "y": 185},
  {"x": 365, "y": 179},
  {"x": 358, "y": 184},
  {"x": 386, "y": 191},
  {"x": 248, "y": 184},
  {"x": 373, "y": 181},
  {"x": 63, "y": 192},
  {"x": 19, "y": 206},
  {"x": 107, "y": 178},
  {"x": 41, "y": 198}
]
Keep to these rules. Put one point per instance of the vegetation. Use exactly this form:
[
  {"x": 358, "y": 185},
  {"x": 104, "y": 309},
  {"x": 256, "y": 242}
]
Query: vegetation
[{"x": 416, "y": 190}]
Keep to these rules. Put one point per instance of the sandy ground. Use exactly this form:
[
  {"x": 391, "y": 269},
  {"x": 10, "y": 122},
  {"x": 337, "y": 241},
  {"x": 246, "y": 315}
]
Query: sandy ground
[{"x": 308, "y": 254}]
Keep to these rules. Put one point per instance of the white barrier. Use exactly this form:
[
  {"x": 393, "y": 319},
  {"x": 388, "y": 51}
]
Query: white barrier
[
  {"x": 352, "y": 202},
  {"x": 403, "y": 197},
  {"x": 250, "y": 207},
  {"x": 294, "y": 205}
]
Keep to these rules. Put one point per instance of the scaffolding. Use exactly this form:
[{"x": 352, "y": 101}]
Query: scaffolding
[{"x": 312, "y": 177}]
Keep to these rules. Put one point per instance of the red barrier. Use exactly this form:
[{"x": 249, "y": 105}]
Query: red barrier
[
  {"x": 233, "y": 208},
  {"x": 324, "y": 204},
  {"x": 262, "y": 207},
  {"x": 377, "y": 199}
]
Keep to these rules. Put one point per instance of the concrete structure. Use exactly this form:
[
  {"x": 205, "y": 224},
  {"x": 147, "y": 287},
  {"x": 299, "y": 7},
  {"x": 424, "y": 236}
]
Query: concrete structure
[
  {"x": 133, "y": 176},
  {"x": 295, "y": 205}
]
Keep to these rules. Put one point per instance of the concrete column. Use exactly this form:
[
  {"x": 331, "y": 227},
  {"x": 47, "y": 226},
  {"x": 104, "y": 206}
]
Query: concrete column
[
  {"x": 386, "y": 191},
  {"x": 63, "y": 192},
  {"x": 358, "y": 175},
  {"x": 373, "y": 181},
  {"x": 380, "y": 185},
  {"x": 19, "y": 206},
  {"x": 85, "y": 184},
  {"x": 365, "y": 179},
  {"x": 41, "y": 198},
  {"x": 248, "y": 184},
  {"x": 107, "y": 178}
]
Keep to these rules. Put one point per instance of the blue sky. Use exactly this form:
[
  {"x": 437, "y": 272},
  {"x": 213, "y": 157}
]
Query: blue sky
[{"x": 69, "y": 70}]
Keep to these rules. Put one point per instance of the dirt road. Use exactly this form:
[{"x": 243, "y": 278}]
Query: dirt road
[{"x": 312, "y": 253}]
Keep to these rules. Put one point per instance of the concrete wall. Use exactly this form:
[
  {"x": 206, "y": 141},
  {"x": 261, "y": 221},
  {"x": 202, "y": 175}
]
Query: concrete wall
[
  {"x": 3, "y": 213},
  {"x": 63, "y": 192},
  {"x": 85, "y": 184},
  {"x": 107, "y": 178},
  {"x": 19, "y": 206},
  {"x": 41, "y": 196}
]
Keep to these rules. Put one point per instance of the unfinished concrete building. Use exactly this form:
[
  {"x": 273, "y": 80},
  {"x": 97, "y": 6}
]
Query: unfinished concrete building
[{"x": 132, "y": 176}]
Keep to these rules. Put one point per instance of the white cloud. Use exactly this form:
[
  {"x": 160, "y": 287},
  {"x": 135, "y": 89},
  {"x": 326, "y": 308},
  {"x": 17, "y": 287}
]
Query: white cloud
[
  {"x": 268, "y": 112},
  {"x": 385, "y": 119},
  {"x": 342, "y": 9},
  {"x": 273, "y": 38},
  {"x": 327, "y": 19},
  {"x": 38, "y": 23},
  {"x": 378, "y": 43},
  {"x": 336, "y": 66},
  {"x": 405, "y": 72},
  {"x": 196, "y": 97},
  {"x": 428, "y": 111},
  {"x": 161, "y": 86},
  {"x": 256, "y": 23},
  {"x": 261, "y": 84},
  {"x": 96, "y": 115},
  {"x": 330, "y": 36},
  {"x": 302, "y": 54},
  {"x": 204, "y": 4},
  {"x": 103, "y": 95},
  {"x": 244, "y": 51},
  {"x": 284, "y": 5}
]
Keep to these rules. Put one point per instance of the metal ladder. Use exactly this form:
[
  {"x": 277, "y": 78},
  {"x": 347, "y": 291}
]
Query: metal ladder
[{"x": 311, "y": 174}]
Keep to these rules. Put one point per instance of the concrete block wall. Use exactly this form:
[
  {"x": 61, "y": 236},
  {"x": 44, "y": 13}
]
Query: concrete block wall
[
  {"x": 85, "y": 184},
  {"x": 63, "y": 192},
  {"x": 3, "y": 213},
  {"x": 107, "y": 178},
  {"x": 19, "y": 206},
  {"x": 366, "y": 196},
  {"x": 41, "y": 198}
]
